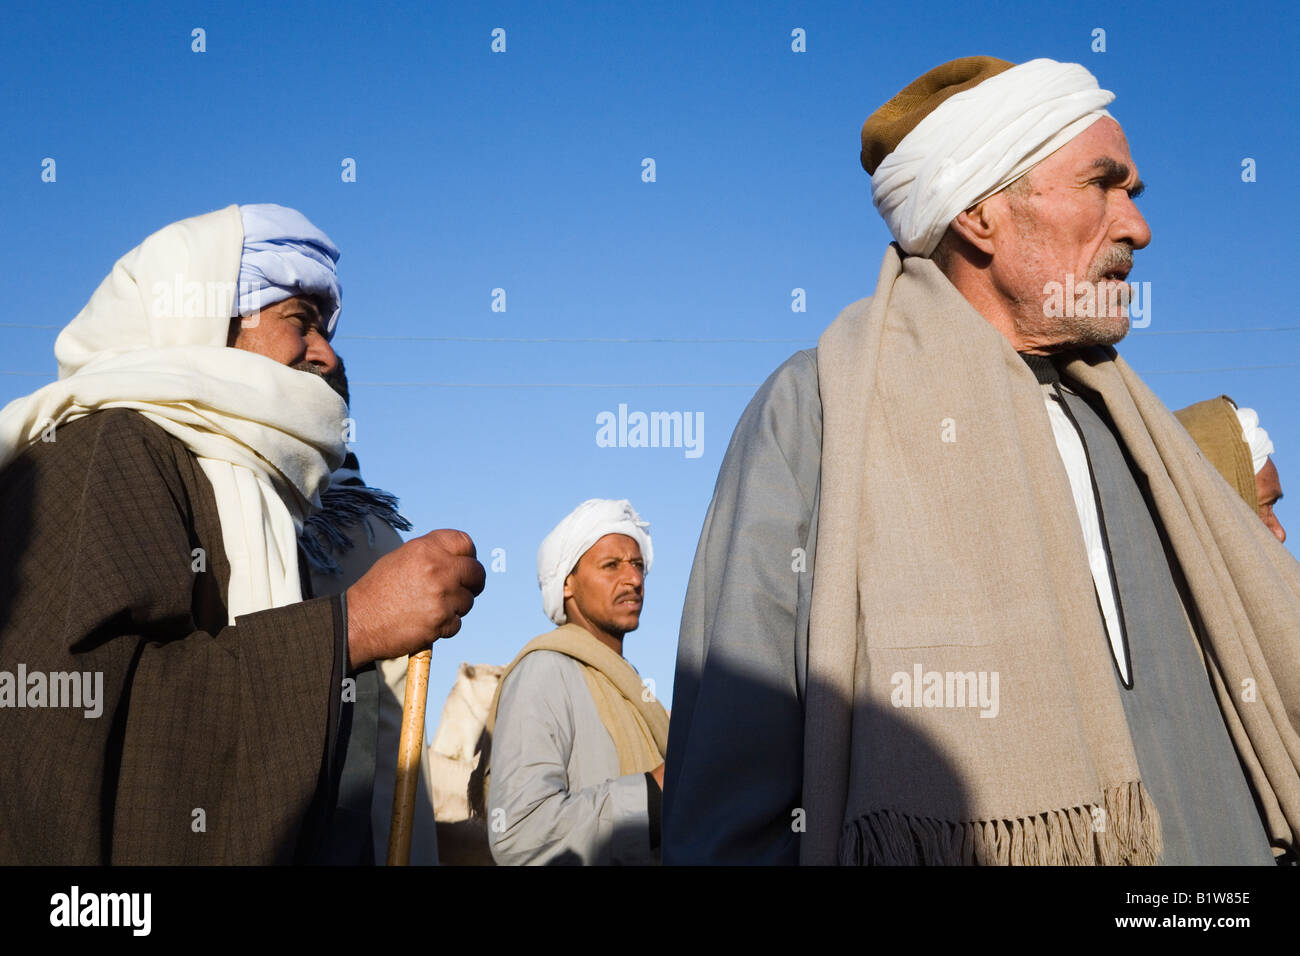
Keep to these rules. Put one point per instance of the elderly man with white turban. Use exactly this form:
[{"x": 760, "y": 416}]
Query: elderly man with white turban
[
  {"x": 153, "y": 497},
  {"x": 571, "y": 762},
  {"x": 966, "y": 591}
]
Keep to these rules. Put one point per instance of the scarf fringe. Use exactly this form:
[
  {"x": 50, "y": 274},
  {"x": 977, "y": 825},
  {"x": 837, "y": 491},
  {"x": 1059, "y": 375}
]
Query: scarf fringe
[
  {"x": 342, "y": 507},
  {"x": 1123, "y": 831}
]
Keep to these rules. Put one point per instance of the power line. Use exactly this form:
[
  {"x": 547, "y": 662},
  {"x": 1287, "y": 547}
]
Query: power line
[
  {"x": 550, "y": 385},
  {"x": 1168, "y": 371},
  {"x": 730, "y": 341},
  {"x": 674, "y": 340},
  {"x": 1270, "y": 328},
  {"x": 566, "y": 341},
  {"x": 518, "y": 340},
  {"x": 1227, "y": 368},
  {"x": 541, "y": 385}
]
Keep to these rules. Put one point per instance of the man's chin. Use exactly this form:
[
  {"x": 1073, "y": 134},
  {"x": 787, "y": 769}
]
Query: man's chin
[
  {"x": 1099, "y": 331},
  {"x": 1113, "y": 332}
]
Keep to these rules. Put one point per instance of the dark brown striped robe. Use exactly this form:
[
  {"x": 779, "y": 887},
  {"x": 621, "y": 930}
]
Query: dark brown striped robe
[{"x": 98, "y": 531}]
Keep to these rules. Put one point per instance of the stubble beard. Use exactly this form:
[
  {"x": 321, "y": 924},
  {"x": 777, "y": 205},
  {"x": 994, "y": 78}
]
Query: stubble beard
[
  {"x": 1104, "y": 326},
  {"x": 1104, "y": 323},
  {"x": 334, "y": 380},
  {"x": 1083, "y": 331}
]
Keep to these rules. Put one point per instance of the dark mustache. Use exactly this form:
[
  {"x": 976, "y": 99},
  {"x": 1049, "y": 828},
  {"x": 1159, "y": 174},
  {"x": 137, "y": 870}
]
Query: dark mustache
[{"x": 336, "y": 379}]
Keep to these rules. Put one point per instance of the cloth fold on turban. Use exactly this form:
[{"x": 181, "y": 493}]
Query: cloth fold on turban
[
  {"x": 572, "y": 537},
  {"x": 979, "y": 141},
  {"x": 284, "y": 256},
  {"x": 1254, "y": 436}
]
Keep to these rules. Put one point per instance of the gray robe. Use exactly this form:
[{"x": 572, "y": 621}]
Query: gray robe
[
  {"x": 734, "y": 774},
  {"x": 556, "y": 795}
]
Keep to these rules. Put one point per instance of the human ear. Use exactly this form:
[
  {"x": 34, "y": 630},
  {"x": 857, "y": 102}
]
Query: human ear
[{"x": 978, "y": 224}]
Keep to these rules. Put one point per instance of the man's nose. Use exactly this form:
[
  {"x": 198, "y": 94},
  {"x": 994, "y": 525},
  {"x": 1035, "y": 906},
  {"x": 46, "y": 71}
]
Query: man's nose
[
  {"x": 1278, "y": 531},
  {"x": 1130, "y": 225},
  {"x": 321, "y": 353}
]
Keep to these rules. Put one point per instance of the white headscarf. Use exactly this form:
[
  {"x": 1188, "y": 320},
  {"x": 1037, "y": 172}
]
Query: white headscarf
[
  {"x": 572, "y": 537},
  {"x": 979, "y": 141},
  {"x": 153, "y": 338},
  {"x": 1261, "y": 446}
]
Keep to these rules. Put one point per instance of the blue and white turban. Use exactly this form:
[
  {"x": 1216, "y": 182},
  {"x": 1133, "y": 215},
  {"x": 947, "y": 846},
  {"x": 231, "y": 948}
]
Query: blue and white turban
[{"x": 284, "y": 256}]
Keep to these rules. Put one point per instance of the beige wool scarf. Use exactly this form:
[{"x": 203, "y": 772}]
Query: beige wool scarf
[
  {"x": 947, "y": 545},
  {"x": 636, "y": 721}
]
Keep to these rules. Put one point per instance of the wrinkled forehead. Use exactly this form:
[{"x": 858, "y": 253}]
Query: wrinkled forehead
[
  {"x": 612, "y": 546},
  {"x": 1102, "y": 147}
]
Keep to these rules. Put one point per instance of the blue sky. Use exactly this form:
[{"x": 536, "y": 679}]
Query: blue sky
[{"x": 522, "y": 171}]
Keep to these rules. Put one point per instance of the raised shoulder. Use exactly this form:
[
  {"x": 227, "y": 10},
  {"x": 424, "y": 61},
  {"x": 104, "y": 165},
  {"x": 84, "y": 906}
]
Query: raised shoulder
[
  {"x": 795, "y": 378},
  {"x": 110, "y": 440},
  {"x": 785, "y": 417},
  {"x": 548, "y": 678},
  {"x": 548, "y": 666},
  {"x": 119, "y": 425},
  {"x": 112, "y": 456}
]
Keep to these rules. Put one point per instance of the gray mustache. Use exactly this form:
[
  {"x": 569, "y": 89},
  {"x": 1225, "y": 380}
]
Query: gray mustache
[{"x": 1115, "y": 257}]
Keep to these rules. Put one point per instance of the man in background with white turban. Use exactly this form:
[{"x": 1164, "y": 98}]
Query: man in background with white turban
[
  {"x": 966, "y": 591},
  {"x": 153, "y": 498},
  {"x": 571, "y": 760},
  {"x": 1240, "y": 451}
]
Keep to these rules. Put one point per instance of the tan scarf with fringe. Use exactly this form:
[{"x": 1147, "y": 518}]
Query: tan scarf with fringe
[{"x": 949, "y": 554}]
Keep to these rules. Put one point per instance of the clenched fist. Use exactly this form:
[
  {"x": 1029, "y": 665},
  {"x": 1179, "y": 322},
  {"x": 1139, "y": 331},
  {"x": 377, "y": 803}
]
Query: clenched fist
[{"x": 413, "y": 596}]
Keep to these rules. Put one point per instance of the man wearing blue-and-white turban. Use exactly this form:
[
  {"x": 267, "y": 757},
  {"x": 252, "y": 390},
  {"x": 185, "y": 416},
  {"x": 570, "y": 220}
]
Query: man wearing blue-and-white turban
[
  {"x": 154, "y": 496},
  {"x": 284, "y": 256}
]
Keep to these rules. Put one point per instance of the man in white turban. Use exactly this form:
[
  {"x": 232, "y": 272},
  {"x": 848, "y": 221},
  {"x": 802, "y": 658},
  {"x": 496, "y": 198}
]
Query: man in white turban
[
  {"x": 571, "y": 759},
  {"x": 1268, "y": 484},
  {"x": 149, "y": 556},
  {"x": 966, "y": 591},
  {"x": 1230, "y": 437}
]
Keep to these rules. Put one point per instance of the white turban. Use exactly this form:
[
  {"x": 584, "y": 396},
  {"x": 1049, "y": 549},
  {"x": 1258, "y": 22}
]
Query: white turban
[
  {"x": 979, "y": 141},
  {"x": 569, "y": 541},
  {"x": 284, "y": 256},
  {"x": 1254, "y": 436}
]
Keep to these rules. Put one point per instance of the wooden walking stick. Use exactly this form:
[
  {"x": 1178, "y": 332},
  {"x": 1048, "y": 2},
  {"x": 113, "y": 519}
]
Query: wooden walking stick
[{"x": 409, "y": 745}]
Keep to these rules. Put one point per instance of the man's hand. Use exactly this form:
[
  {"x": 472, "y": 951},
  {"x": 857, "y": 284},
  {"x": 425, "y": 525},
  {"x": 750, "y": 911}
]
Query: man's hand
[
  {"x": 412, "y": 597},
  {"x": 658, "y": 774}
]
